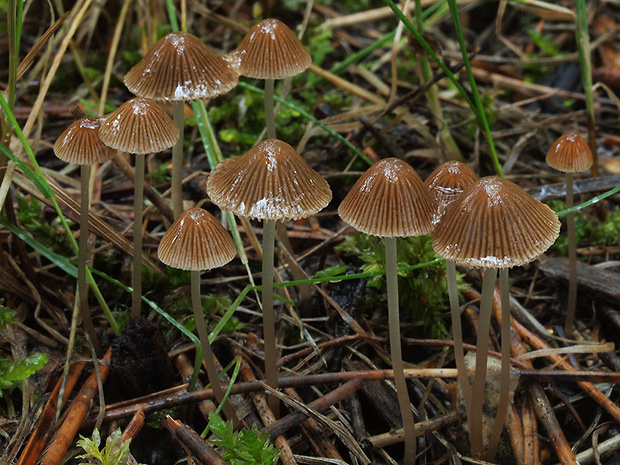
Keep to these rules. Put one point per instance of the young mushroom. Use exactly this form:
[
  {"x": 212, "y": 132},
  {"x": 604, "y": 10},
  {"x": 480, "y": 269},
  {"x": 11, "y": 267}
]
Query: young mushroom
[
  {"x": 180, "y": 68},
  {"x": 493, "y": 225},
  {"x": 138, "y": 126},
  {"x": 445, "y": 184},
  {"x": 271, "y": 182},
  {"x": 80, "y": 144},
  {"x": 570, "y": 154},
  {"x": 270, "y": 51},
  {"x": 196, "y": 241},
  {"x": 390, "y": 200}
]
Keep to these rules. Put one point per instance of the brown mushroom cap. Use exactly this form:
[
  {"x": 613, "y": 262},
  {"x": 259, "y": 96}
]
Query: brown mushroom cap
[
  {"x": 447, "y": 183},
  {"x": 570, "y": 153},
  {"x": 389, "y": 200},
  {"x": 495, "y": 224},
  {"x": 270, "y": 50},
  {"x": 270, "y": 182},
  {"x": 179, "y": 67},
  {"x": 80, "y": 144},
  {"x": 138, "y": 126},
  {"x": 196, "y": 241}
]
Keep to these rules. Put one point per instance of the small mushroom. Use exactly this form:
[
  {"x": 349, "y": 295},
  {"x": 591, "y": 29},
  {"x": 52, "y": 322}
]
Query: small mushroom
[
  {"x": 270, "y": 51},
  {"x": 196, "y": 241},
  {"x": 445, "y": 184},
  {"x": 493, "y": 225},
  {"x": 570, "y": 154},
  {"x": 390, "y": 200},
  {"x": 180, "y": 68},
  {"x": 271, "y": 182},
  {"x": 138, "y": 126},
  {"x": 80, "y": 144}
]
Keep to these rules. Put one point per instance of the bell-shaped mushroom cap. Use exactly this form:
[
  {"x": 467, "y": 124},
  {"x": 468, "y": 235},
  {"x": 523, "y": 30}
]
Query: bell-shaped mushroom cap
[
  {"x": 270, "y": 182},
  {"x": 138, "y": 126},
  {"x": 270, "y": 50},
  {"x": 179, "y": 67},
  {"x": 80, "y": 144},
  {"x": 389, "y": 200},
  {"x": 447, "y": 183},
  {"x": 196, "y": 241},
  {"x": 570, "y": 153},
  {"x": 495, "y": 224}
]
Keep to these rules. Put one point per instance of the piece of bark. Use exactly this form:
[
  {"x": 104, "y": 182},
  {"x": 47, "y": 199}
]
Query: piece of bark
[
  {"x": 192, "y": 441},
  {"x": 593, "y": 284}
]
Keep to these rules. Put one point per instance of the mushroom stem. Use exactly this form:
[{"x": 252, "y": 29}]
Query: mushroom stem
[
  {"x": 572, "y": 260},
  {"x": 504, "y": 383},
  {"x": 138, "y": 200},
  {"x": 482, "y": 349},
  {"x": 207, "y": 353},
  {"x": 270, "y": 113},
  {"x": 391, "y": 276},
  {"x": 82, "y": 253},
  {"x": 457, "y": 335},
  {"x": 177, "y": 161},
  {"x": 269, "y": 323}
]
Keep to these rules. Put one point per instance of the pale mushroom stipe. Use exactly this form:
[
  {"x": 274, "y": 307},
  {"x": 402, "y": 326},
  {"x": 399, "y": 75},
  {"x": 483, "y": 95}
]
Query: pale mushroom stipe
[
  {"x": 493, "y": 224},
  {"x": 271, "y": 182},
  {"x": 390, "y": 200},
  {"x": 138, "y": 126}
]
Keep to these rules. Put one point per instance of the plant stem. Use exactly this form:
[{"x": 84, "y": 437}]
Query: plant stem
[
  {"x": 82, "y": 253},
  {"x": 457, "y": 335},
  {"x": 480, "y": 113},
  {"x": 400, "y": 382},
  {"x": 177, "y": 161},
  {"x": 138, "y": 200},
  {"x": 269, "y": 323},
  {"x": 482, "y": 349},
  {"x": 270, "y": 115},
  {"x": 504, "y": 382},
  {"x": 585, "y": 66},
  {"x": 572, "y": 260}
]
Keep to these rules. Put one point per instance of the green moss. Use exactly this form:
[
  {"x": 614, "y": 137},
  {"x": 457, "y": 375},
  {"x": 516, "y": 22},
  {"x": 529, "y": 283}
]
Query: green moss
[{"x": 423, "y": 293}]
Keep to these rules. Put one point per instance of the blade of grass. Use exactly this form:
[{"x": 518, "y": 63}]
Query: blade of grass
[
  {"x": 476, "y": 105},
  {"x": 585, "y": 65},
  {"x": 480, "y": 113}
]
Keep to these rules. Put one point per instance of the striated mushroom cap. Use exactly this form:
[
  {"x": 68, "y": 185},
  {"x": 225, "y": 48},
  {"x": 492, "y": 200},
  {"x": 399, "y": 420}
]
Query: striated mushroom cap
[
  {"x": 447, "y": 183},
  {"x": 389, "y": 200},
  {"x": 270, "y": 182},
  {"x": 80, "y": 144},
  {"x": 495, "y": 224},
  {"x": 138, "y": 126},
  {"x": 570, "y": 153},
  {"x": 270, "y": 50},
  {"x": 196, "y": 241},
  {"x": 179, "y": 67}
]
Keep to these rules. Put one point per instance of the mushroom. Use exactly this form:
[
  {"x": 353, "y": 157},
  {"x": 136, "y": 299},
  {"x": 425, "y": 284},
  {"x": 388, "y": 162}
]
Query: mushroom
[
  {"x": 138, "y": 126},
  {"x": 493, "y": 225},
  {"x": 570, "y": 154},
  {"x": 271, "y": 182},
  {"x": 80, "y": 144},
  {"x": 270, "y": 51},
  {"x": 390, "y": 200},
  {"x": 445, "y": 184},
  {"x": 180, "y": 68},
  {"x": 196, "y": 241}
]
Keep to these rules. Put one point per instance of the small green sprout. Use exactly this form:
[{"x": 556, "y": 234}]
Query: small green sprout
[
  {"x": 115, "y": 451},
  {"x": 245, "y": 447}
]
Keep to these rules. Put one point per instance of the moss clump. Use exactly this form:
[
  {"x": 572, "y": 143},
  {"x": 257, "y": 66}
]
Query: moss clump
[{"x": 423, "y": 293}]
